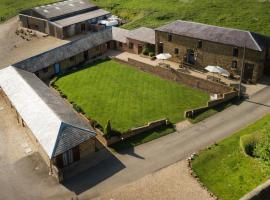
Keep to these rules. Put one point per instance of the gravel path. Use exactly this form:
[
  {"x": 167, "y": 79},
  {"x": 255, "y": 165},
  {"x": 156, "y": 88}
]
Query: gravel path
[{"x": 172, "y": 182}]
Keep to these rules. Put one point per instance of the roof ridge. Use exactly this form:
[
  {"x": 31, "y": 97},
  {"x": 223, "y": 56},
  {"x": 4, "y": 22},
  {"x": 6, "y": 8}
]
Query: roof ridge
[
  {"x": 254, "y": 41},
  {"x": 235, "y": 29}
]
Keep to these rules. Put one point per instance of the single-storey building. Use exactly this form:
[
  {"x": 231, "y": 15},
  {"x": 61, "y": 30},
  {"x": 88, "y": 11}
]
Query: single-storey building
[
  {"x": 64, "y": 19},
  {"x": 56, "y": 61},
  {"x": 61, "y": 136},
  {"x": 141, "y": 38},
  {"x": 200, "y": 45}
]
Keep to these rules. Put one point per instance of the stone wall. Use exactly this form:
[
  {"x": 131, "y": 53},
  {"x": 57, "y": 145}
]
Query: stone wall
[
  {"x": 130, "y": 133},
  {"x": 173, "y": 75},
  {"x": 210, "y": 104},
  {"x": 34, "y": 23},
  {"x": 211, "y": 53},
  {"x": 87, "y": 148}
]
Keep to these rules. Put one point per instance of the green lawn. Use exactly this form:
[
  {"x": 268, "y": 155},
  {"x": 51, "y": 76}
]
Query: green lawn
[
  {"x": 226, "y": 171},
  {"x": 9, "y": 8},
  {"x": 126, "y": 96},
  {"x": 250, "y": 15}
]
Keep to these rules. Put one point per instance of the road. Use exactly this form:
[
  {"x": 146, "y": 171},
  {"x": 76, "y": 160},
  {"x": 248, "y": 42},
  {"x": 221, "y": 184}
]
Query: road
[
  {"x": 144, "y": 159},
  {"x": 26, "y": 177}
]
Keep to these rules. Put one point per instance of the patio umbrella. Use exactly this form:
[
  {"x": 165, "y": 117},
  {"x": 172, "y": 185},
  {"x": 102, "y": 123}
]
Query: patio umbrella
[
  {"x": 217, "y": 69},
  {"x": 164, "y": 56}
]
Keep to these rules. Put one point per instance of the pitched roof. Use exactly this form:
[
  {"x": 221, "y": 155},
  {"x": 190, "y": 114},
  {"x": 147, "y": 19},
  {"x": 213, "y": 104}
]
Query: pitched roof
[
  {"x": 48, "y": 116},
  {"x": 229, "y": 36},
  {"x": 119, "y": 34},
  {"x": 143, "y": 34},
  {"x": 62, "y": 8},
  {"x": 81, "y": 17},
  {"x": 65, "y": 51}
]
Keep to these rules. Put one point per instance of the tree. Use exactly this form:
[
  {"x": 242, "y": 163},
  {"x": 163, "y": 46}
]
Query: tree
[{"x": 108, "y": 129}]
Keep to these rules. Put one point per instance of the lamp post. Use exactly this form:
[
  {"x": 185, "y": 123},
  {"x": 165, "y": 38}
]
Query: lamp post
[{"x": 241, "y": 73}]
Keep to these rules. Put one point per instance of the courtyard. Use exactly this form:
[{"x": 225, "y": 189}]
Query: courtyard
[{"x": 108, "y": 90}]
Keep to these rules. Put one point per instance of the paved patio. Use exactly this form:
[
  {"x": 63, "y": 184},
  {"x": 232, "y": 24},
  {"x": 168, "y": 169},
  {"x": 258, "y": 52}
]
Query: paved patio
[{"x": 249, "y": 89}]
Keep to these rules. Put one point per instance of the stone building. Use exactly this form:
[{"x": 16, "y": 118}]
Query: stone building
[
  {"x": 64, "y": 19},
  {"x": 199, "y": 45},
  {"x": 59, "y": 134},
  {"x": 140, "y": 38}
]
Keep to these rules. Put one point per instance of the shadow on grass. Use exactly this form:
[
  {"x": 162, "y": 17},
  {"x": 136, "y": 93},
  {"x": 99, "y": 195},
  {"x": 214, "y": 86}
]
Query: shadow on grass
[
  {"x": 216, "y": 109},
  {"x": 127, "y": 146}
]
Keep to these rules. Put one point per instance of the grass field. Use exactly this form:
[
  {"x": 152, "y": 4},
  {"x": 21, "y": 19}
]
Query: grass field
[
  {"x": 9, "y": 8},
  {"x": 126, "y": 96},
  {"x": 226, "y": 171},
  {"x": 250, "y": 15}
]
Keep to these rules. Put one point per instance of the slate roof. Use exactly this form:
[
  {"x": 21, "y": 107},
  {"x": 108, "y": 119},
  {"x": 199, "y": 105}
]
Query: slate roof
[
  {"x": 229, "y": 36},
  {"x": 65, "y": 51},
  {"x": 63, "y": 8},
  {"x": 143, "y": 34},
  {"x": 119, "y": 34},
  {"x": 81, "y": 17},
  {"x": 52, "y": 121}
]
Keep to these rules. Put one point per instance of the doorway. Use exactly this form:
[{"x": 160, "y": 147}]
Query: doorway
[
  {"x": 57, "y": 68},
  {"x": 190, "y": 57},
  {"x": 140, "y": 48},
  {"x": 83, "y": 29},
  {"x": 160, "y": 48},
  {"x": 248, "y": 72}
]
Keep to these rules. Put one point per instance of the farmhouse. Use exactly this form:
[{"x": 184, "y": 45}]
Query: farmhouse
[
  {"x": 64, "y": 19},
  {"x": 200, "y": 45},
  {"x": 58, "y": 133}
]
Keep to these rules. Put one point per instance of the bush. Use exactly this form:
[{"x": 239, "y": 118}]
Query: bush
[
  {"x": 151, "y": 54},
  {"x": 248, "y": 143},
  {"x": 262, "y": 150},
  {"x": 145, "y": 51},
  {"x": 108, "y": 129}
]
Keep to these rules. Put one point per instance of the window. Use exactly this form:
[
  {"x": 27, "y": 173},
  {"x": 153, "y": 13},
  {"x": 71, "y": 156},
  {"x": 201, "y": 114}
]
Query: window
[
  {"x": 120, "y": 44},
  {"x": 176, "y": 51},
  {"x": 234, "y": 64},
  {"x": 199, "y": 44},
  {"x": 235, "y": 52},
  {"x": 45, "y": 70},
  {"x": 130, "y": 45},
  {"x": 169, "y": 37}
]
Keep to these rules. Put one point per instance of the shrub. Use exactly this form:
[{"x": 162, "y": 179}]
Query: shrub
[
  {"x": 151, "y": 54},
  {"x": 145, "y": 51},
  {"x": 108, "y": 129},
  {"x": 262, "y": 150},
  {"x": 248, "y": 143}
]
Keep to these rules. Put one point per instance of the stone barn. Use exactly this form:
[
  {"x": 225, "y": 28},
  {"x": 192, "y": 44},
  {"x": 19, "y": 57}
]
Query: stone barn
[
  {"x": 64, "y": 19},
  {"x": 60, "y": 135},
  {"x": 199, "y": 45}
]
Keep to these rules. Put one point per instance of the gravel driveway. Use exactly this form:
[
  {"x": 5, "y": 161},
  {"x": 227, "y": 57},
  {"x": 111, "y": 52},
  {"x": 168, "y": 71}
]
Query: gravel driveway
[{"x": 172, "y": 182}]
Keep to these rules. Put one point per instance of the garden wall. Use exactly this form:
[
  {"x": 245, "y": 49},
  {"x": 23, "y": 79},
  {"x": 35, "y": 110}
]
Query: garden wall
[
  {"x": 174, "y": 75},
  {"x": 210, "y": 104},
  {"x": 130, "y": 133}
]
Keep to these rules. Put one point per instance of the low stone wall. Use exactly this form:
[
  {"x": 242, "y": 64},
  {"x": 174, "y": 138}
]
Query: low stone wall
[
  {"x": 130, "y": 133},
  {"x": 225, "y": 97},
  {"x": 262, "y": 192},
  {"x": 180, "y": 77}
]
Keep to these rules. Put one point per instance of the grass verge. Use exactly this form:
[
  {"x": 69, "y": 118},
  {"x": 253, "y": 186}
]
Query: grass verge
[{"x": 225, "y": 169}]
